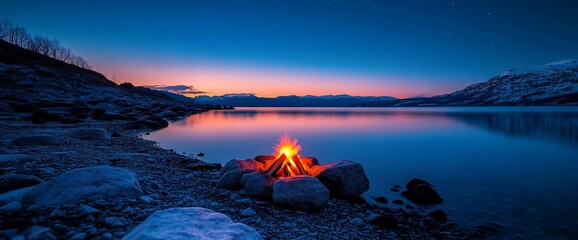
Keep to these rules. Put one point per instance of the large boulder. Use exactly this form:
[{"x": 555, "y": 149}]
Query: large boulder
[
  {"x": 190, "y": 223},
  {"x": 89, "y": 134},
  {"x": 12, "y": 181},
  {"x": 240, "y": 165},
  {"x": 421, "y": 192},
  {"x": 34, "y": 140},
  {"x": 309, "y": 162},
  {"x": 13, "y": 196},
  {"x": 343, "y": 179},
  {"x": 300, "y": 192},
  {"x": 232, "y": 179},
  {"x": 100, "y": 182},
  {"x": 257, "y": 184}
]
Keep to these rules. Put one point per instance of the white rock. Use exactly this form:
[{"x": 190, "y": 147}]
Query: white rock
[
  {"x": 84, "y": 184},
  {"x": 247, "y": 212},
  {"x": 11, "y": 207},
  {"x": 191, "y": 223}
]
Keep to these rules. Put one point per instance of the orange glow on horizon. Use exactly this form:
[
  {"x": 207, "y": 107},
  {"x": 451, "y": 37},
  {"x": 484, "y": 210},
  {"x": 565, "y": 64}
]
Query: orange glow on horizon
[{"x": 270, "y": 82}]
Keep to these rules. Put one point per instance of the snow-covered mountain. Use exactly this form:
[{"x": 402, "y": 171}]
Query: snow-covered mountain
[{"x": 552, "y": 84}]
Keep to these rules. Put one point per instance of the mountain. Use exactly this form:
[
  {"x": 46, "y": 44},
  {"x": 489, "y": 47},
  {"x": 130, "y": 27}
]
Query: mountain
[
  {"x": 250, "y": 100},
  {"x": 552, "y": 84},
  {"x": 42, "y": 89}
]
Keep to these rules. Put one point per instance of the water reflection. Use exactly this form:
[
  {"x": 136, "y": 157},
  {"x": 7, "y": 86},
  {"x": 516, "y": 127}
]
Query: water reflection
[
  {"x": 511, "y": 165},
  {"x": 552, "y": 123}
]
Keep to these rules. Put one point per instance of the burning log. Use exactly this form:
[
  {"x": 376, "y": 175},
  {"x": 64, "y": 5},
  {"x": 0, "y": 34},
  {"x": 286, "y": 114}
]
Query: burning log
[
  {"x": 290, "y": 167},
  {"x": 276, "y": 165},
  {"x": 297, "y": 162}
]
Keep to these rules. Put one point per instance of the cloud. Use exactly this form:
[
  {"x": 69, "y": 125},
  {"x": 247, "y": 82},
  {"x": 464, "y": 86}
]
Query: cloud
[{"x": 178, "y": 89}]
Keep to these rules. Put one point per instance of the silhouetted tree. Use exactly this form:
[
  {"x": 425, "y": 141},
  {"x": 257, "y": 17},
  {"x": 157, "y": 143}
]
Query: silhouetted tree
[{"x": 18, "y": 35}]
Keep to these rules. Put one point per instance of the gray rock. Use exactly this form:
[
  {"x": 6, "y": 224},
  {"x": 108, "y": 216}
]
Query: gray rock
[
  {"x": 344, "y": 178},
  {"x": 34, "y": 140},
  {"x": 57, "y": 212},
  {"x": 87, "y": 210},
  {"x": 12, "y": 181},
  {"x": 83, "y": 184},
  {"x": 247, "y": 212},
  {"x": 9, "y": 233},
  {"x": 14, "y": 196},
  {"x": 243, "y": 201},
  {"x": 115, "y": 222},
  {"x": 168, "y": 114},
  {"x": 78, "y": 236},
  {"x": 38, "y": 233},
  {"x": 421, "y": 192},
  {"x": 300, "y": 192},
  {"x": 89, "y": 134},
  {"x": 19, "y": 237},
  {"x": 109, "y": 107},
  {"x": 11, "y": 207},
  {"x": 190, "y": 223},
  {"x": 356, "y": 221},
  {"x": 146, "y": 199},
  {"x": 232, "y": 180},
  {"x": 12, "y": 157},
  {"x": 257, "y": 184},
  {"x": 240, "y": 165}
]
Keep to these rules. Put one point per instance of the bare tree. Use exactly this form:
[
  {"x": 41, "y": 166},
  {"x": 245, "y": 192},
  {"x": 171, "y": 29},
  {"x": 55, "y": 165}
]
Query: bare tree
[
  {"x": 53, "y": 48},
  {"x": 40, "y": 45},
  {"x": 5, "y": 27},
  {"x": 64, "y": 54},
  {"x": 18, "y": 36}
]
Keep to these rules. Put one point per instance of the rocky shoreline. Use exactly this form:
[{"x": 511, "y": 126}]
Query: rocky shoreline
[
  {"x": 170, "y": 180},
  {"x": 73, "y": 165}
]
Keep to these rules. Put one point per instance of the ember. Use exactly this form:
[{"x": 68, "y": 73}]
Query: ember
[{"x": 288, "y": 162}]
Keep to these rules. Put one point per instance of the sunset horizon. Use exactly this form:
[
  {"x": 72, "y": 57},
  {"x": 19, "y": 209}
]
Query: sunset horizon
[{"x": 366, "y": 49}]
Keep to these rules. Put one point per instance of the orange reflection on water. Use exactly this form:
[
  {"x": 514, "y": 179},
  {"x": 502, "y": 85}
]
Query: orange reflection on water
[{"x": 289, "y": 120}]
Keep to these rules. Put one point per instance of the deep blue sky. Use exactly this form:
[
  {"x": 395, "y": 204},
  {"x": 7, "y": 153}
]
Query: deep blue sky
[{"x": 437, "y": 45}]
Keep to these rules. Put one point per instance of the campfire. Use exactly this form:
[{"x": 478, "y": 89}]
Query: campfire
[
  {"x": 288, "y": 162},
  {"x": 292, "y": 180}
]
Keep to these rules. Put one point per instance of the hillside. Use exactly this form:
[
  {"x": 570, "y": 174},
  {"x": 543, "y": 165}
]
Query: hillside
[
  {"x": 41, "y": 89},
  {"x": 552, "y": 84}
]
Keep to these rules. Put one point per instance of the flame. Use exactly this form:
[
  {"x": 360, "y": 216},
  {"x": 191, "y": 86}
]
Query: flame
[{"x": 287, "y": 146}]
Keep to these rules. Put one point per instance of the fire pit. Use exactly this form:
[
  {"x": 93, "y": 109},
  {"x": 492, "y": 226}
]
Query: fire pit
[
  {"x": 288, "y": 163},
  {"x": 292, "y": 180}
]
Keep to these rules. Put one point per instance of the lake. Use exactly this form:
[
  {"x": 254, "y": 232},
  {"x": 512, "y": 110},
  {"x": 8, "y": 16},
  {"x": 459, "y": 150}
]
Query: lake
[{"x": 514, "y": 166}]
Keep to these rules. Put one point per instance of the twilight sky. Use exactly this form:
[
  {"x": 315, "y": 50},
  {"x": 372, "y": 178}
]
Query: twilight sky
[{"x": 399, "y": 48}]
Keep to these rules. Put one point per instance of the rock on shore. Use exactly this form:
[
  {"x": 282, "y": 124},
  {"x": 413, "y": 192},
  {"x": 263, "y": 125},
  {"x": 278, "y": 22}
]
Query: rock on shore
[{"x": 84, "y": 184}]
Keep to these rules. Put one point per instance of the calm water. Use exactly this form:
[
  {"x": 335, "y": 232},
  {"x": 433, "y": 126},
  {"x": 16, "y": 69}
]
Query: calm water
[{"x": 515, "y": 166}]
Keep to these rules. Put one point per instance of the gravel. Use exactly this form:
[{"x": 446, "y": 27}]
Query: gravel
[{"x": 167, "y": 183}]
